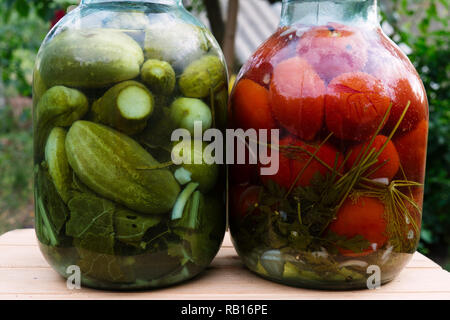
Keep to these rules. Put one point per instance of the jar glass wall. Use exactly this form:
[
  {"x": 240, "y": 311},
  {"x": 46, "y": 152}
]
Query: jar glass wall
[
  {"x": 112, "y": 82},
  {"x": 352, "y": 117}
]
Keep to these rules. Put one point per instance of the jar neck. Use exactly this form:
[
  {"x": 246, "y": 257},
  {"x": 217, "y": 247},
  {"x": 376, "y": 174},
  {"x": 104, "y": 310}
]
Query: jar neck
[
  {"x": 166, "y": 2},
  {"x": 321, "y": 12}
]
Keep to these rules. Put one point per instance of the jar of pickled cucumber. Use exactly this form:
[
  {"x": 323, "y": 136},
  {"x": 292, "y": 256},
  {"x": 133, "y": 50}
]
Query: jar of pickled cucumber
[
  {"x": 344, "y": 208},
  {"x": 113, "y": 80}
]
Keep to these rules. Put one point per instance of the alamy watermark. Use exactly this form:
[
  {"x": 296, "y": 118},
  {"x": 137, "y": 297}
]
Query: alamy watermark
[
  {"x": 258, "y": 146},
  {"x": 74, "y": 277},
  {"x": 374, "y": 280}
]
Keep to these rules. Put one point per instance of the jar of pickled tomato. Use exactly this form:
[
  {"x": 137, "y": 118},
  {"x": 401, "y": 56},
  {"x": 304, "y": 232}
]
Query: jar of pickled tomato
[{"x": 344, "y": 208}]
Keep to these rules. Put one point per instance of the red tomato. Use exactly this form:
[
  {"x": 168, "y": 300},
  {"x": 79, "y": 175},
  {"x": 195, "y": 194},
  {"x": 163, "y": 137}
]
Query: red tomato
[
  {"x": 278, "y": 47},
  {"x": 402, "y": 83},
  {"x": 412, "y": 150},
  {"x": 250, "y": 106},
  {"x": 243, "y": 199},
  {"x": 363, "y": 216},
  {"x": 388, "y": 161},
  {"x": 333, "y": 49},
  {"x": 402, "y": 92},
  {"x": 294, "y": 160},
  {"x": 355, "y": 105},
  {"x": 297, "y": 98}
]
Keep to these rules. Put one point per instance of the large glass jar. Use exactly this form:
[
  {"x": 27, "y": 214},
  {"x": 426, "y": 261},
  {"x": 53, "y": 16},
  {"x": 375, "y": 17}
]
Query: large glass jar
[
  {"x": 112, "y": 82},
  {"x": 344, "y": 208}
]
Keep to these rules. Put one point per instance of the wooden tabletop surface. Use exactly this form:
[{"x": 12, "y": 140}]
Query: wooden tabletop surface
[{"x": 24, "y": 274}]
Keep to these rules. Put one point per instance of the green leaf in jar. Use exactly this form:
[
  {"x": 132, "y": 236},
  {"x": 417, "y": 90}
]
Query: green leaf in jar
[
  {"x": 91, "y": 223},
  {"x": 178, "y": 250},
  {"x": 130, "y": 227},
  {"x": 51, "y": 211},
  {"x": 202, "y": 239},
  {"x": 106, "y": 267},
  {"x": 356, "y": 244}
]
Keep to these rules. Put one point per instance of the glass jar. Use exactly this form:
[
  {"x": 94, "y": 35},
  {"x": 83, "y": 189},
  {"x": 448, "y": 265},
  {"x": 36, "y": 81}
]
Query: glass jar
[
  {"x": 113, "y": 80},
  {"x": 344, "y": 208}
]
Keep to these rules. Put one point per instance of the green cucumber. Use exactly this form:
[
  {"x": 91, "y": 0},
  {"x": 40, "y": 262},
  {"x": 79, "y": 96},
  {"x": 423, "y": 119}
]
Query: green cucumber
[
  {"x": 109, "y": 162},
  {"x": 90, "y": 58},
  {"x": 159, "y": 76},
  {"x": 203, "y": 77},
  {"x": 184, "y": 112},
  {"x": 176, "y": 42},
  {"x": 126, "y": 107},
  {"x": 58, "y": 166},
  {"x": 58, "y": 107}
]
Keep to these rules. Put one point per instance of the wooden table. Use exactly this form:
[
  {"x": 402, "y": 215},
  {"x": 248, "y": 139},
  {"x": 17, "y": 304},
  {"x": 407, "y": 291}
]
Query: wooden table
[{"x": 24, "y": 274}]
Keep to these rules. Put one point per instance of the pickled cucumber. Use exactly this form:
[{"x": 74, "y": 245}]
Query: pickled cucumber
[
  {"x": 202, "y": 77},
  {"x": 90, "y": 58},
  {"x": 108, "y": 162},
  {"x": 159, "y": 76},
  {"x": 184, "y": 112},
  {"x": 58, "y": 107},
  {"x": 125, "y": 107},
  {"x": 175, "y": 42},
  {"x": 58, "y": 166}
]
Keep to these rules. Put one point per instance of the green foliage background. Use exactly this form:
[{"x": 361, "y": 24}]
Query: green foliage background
[{"x": 420, "y": 25}]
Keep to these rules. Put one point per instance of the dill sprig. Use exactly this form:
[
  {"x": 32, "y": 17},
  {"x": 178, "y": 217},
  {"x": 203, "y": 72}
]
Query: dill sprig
[{"x": 316, "y": 206}]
